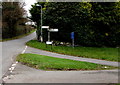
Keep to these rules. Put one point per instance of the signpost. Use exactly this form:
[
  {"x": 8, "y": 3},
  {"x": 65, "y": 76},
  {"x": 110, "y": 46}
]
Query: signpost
[
  {"x": 51, "y": 30},
  {"x": 72, "y": 37},
  {"x": 48, "y": 43},
  {"x": 45, "y": 27}
]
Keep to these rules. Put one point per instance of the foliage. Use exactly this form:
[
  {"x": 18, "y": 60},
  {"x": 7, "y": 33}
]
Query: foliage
[
  {"x": 36, "y": 13},
  {"x": 95, "y": 23},
  {"x": 52, "y": 63},
  {"x": 106, "y": 23},
  {"x": 110, "y": 54},
  {"x": 12, "y": 12}
]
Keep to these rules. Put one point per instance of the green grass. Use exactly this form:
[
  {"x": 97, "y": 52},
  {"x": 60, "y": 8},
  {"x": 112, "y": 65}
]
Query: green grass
[
  {"x": 17, "y": 37},
  {"x": 116, "y": 84},
  {"x": 52, "y": 63},
  {"x": 110, "y": 54}
]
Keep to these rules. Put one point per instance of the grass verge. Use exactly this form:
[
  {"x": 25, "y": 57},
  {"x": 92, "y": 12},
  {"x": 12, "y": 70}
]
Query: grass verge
[
  {"x": 52, "y": 63},
  {"x": 110, "y": 54},
  {"x": 17, "y": 37}
]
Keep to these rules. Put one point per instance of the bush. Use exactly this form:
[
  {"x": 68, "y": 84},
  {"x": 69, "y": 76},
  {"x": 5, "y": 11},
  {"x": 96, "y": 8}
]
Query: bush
[{"x": 96, "y": 24}]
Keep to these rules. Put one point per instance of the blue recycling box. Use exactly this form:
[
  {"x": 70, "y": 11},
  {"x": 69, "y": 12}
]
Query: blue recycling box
[{"x": 72, "y": 35}]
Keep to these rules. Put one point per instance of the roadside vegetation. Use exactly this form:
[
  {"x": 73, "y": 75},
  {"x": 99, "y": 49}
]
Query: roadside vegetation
[
  {"x": 103, "y": 53},
  {"x": 96, "y": 24},
  {"x": 17, "y": 37},
  {"x": 15, "y": 22},
  {"x": 117, "y": 84},
  {"x": 52, "y": 63}
]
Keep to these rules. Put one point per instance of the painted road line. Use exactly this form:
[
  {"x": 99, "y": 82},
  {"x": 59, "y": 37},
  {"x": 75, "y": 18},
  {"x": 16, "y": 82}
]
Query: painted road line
[
  {"x": 11, "y": 69},
  {"x": 24, "y": 50}
]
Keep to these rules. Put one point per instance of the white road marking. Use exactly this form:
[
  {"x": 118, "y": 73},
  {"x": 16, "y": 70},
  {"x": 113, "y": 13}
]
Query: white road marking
[
  {"x": 5, "y": 78},
  {"x": 16, "y": 62},
  {"x": 14, "y": 65},
  {"x": 10, "y": 70},
  {"x": 24, "y": 50}
]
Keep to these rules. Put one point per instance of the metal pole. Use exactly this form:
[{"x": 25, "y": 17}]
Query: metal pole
[
  {"x": 73, "y": 43},
  {"x": 48, "y": 36},
  {"x": 41, "y": 25}
]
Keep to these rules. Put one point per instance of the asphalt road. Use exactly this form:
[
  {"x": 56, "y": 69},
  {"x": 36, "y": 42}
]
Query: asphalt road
[
  {"x": 24, "y": 74},
  {"x": 11, "y": 49}
]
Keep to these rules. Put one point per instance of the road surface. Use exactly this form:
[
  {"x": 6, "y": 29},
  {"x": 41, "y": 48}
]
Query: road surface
[
  {"x": 24, "y": 74},
  {"x": 10, "y": 49}
]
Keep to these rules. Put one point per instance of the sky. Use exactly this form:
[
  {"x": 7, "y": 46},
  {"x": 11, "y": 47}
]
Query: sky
[{"x": 28, "y": 5}]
